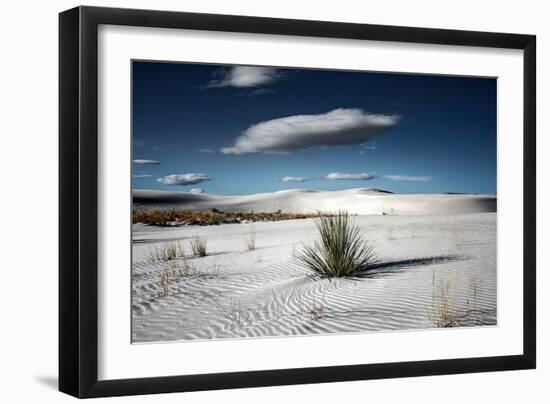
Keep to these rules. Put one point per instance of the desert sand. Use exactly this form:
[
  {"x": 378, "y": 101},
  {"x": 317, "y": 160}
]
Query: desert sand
[{"x": 436, "y": 254}]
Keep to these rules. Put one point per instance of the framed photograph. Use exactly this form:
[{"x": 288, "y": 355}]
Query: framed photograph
[{"x": 252, "y": 202}]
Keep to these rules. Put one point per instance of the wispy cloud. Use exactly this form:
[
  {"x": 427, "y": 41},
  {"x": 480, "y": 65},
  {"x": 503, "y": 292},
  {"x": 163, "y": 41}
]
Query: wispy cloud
[
  {"x": 142, "y": 162},
  {"x": 184, "y": 179},
  {"x": 244, "y": 77},
  {"x": 207, "y": 151},
  {"x": 138, "y": 142},
  {"x": 258, "y": 91},
  {"x": 349, "y": 176},
  {"x": 286, "y": 135},
  {"x": 408, "y": 178},
  {"x": 197, "y": 191},
  {"x": 367, "y": 146},
  {"x": 294, "y": 179},
  {"x": 357, "y": 177},
  {"x": 141, "y": 175}
]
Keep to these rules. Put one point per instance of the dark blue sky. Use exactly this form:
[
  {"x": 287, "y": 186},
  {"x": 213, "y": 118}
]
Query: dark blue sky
[{"x": 439, "y": 134}]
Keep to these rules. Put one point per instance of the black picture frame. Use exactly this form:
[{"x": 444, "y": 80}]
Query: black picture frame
[{"x": 78, "y": 201}]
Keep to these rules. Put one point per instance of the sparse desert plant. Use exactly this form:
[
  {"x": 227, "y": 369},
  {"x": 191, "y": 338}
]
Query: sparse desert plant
[
  {"x": 179, "y": 270},
  {"x": 198, "y": 246},
  {"x": 391, "y": 235},
  {"x": 443, "y": 312},
  {"x": 311, "y": 306},
  {"x": 457, "y": 233},
  {"x": 165, "y": 279},
  {"x": 182, "y": 268},
  {"x": 167, "y": 251},
  {"x": 251, "y": 238},
  {"x": 164, "y": 282},
  {"x": 342, "y": 251},
  {"x": 473, "y": 314},
  {"x": 169, "y": 275},
  {"x": 231, "y": 309}
]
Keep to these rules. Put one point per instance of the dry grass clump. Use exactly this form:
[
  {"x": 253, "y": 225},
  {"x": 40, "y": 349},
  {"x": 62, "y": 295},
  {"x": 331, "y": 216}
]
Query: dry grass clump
[
  {"x": 311, "y": 307},
  {"x": 233, "y": 311},
  {"x": 457, "y": 233},
  {"x": 180, "y": 217},
  {"x": 342, "y": 251},
  {"x": 164, "y": 282},
  {"x": 231, "y": 308},
  {"x": 198, "y": 246},
  {"x": 177, "y": 270},
  {"x": 167, "y": 251},
  {"x": 444, "y": 311},
  {"x": 170, "y": 279},
  {"x": 250, "y": 238}
]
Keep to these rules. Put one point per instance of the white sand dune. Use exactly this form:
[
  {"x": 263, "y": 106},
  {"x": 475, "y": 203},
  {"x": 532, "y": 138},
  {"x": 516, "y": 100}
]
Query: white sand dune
[
  {"x": 234, "y": 292},
  {"x": 360, "y": 201}
]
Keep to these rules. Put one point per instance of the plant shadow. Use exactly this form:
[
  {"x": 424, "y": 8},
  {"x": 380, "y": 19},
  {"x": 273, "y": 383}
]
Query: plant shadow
[{"x": 385, "y": 268}]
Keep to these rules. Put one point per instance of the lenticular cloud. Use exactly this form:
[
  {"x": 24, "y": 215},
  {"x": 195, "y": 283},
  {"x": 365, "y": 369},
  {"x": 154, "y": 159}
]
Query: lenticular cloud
[
  {"x": 143, "y": 162},
  {"x": 342, "y": 126},
  {"x": 245, "y": 77},
  {"x": 349, "y": 176},
  {"x": 293, "y": 179},
  {"x": 184, "y": 179}
]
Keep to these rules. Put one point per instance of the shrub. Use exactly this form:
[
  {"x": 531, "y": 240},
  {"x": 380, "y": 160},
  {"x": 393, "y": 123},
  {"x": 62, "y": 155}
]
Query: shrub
[
  {"x": 341, "y": 251},
  {"x": 180, "y": 217}
]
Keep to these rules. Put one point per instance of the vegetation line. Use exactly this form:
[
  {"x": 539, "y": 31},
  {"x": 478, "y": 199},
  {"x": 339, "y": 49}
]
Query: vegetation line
[{"x": 182, "y": 217}]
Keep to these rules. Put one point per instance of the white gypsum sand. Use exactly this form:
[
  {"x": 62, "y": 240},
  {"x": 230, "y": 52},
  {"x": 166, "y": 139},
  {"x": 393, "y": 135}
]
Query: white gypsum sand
[{"x": 435, "y": 269}]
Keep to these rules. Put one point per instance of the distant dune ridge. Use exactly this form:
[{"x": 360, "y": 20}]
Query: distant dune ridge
[{"x": 361, "y": 201}]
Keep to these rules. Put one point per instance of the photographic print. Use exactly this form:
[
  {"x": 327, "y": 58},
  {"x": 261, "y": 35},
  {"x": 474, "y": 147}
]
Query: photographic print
[{"x": 277, "y": 202}]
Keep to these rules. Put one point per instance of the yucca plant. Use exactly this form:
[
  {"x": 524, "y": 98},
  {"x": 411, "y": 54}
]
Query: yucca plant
[{"x": 342, "y": 251}]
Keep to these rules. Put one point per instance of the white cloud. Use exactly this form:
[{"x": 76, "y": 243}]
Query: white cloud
[
  {"x": 207, "y": 151},
  {"x": 141, "y": 175},
  {"x": 197, "y": 191},
  {"x": 245, "y": 77},
  {"x": 349, "y": 176},
  {"x": 146, "y": 162},
  {"x": 294, "y": 179},
  {"x": 286, "y": 135},
  {"x": 408, "y": 178},
  {"x": 184, "y": 179}
]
